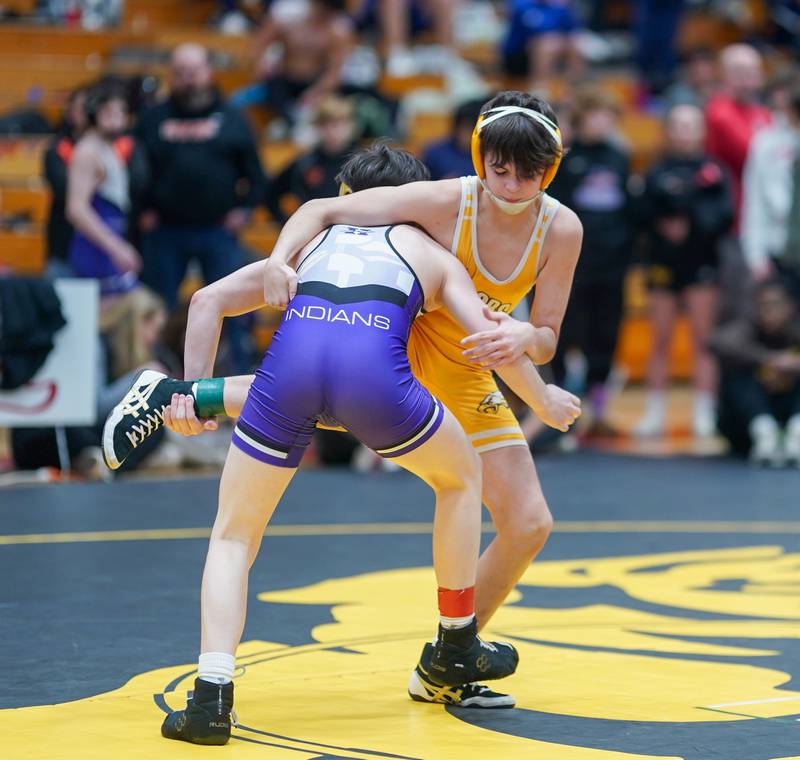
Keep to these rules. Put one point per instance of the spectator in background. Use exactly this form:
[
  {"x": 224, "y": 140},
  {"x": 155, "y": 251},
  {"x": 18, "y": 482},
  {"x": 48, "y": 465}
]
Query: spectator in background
[
  {"x": 452, "y": 157},
  {"x": 759, "y": 409},
  {"x": 400, "y": 20},
  {"x": 206, "y": 178},
  {"x": 129, "y": 341},
  {"x": 592, "y": 180},
  {"x": 733, "y": 116},
  {"x": 541, "y": 35},
  {"x": 785, "y": 24},
  {"x": 99, "y": 197},
  {"x": 656, "y": 26},
  {"x": 315, "y": 41},
  {"x": 57, "y": 157},
  {"x": 768, "y": 187},
  {"x": 735, "y": 113},
  {"x": 234, "y": 16},
  {"x": 697, "y": 81},
  {"x": 313, "y": 175},
  {"x": 686, "y": 209}
]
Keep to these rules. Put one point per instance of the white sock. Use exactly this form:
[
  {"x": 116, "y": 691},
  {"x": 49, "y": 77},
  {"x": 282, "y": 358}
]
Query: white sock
[
  {"x": 792, "y": 440},
  {"x": 452, "y": 623},
  {"x": 764, "y": 426},
  {"x": 704, "y": 402},
  {"x": 216, "y": 667}
]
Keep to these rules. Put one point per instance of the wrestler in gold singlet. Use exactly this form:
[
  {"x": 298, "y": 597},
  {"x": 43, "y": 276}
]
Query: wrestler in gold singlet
[{"x": 434, "y": 346}]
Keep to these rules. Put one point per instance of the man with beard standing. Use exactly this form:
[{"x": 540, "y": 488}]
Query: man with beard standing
[{"x": 206, "y": 178}]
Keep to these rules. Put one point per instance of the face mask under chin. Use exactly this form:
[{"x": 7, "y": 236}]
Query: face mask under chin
[{"x": 507, "y": 207}]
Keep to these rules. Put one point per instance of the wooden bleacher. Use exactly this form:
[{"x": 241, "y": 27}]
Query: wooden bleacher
[
  {"x": 31, "y": 202},
  {"x": 21, "y": 161},
  {"x": 42, "y": 64},
  {"x": 644, "y": 134},
  {"x": 149, "y": 15},
  {"x": 22, "y": 252}
]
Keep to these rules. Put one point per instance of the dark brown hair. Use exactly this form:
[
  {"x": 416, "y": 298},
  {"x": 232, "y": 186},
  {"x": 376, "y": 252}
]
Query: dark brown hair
[
  {"x": 517, "y": 139},
  {"x": 380, "y": 165}
]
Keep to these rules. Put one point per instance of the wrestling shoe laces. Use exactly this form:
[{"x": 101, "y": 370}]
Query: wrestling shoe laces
[
  {"x": 136, "y": 400},
  {"x": 138, "y": 415}
]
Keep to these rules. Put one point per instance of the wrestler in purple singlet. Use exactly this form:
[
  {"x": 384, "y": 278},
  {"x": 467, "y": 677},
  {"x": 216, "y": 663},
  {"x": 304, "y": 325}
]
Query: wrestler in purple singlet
[{"x": 340, "y": 354}]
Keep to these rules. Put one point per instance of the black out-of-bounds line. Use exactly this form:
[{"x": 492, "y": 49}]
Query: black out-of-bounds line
[
  {"x": 161, "y": 703},
  {"x": 293, "y": 651},
  {"x": 373, "y": 752},
  {"x": 279, "y": 746},
  {"x": 175, "y": 681}
]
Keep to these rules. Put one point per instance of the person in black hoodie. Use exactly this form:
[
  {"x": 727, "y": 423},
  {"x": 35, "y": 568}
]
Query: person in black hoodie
[
  {"x": 593, "y": 181},
  {"x": 206, "y": 178},
  {"x": 313, "y": 174},
  {"x": 686, "y": 208},
  {"x": 759, "y": 394},
  {"x": 57, "y": 157}
]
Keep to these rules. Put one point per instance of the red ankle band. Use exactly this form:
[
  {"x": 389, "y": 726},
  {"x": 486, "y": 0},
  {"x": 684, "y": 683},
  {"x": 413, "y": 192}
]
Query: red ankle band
[{"x": 456, "y": 603}]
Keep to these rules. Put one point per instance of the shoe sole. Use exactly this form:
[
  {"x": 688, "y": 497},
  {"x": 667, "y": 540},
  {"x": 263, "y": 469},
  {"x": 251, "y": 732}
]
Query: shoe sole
[
  {"x": 117, "y": 416},
  {"x": 473, "y": 703},
  {"x": 503, "y": 702}
]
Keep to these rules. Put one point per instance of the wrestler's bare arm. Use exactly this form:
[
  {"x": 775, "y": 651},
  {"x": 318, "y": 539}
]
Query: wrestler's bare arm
[
  {"x": 537, "y": 337},
  {"x": 554, "y": 283},
  {"x": 447, "y": 284},
  {"x": 432, "y": 205},
  {"x": 554, "y": 406},
  {"x": 239, "y": 293}
]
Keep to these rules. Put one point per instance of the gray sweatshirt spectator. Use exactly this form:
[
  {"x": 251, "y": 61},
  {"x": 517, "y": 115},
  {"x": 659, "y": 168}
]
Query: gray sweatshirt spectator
[{"x": 767, "y": 186}]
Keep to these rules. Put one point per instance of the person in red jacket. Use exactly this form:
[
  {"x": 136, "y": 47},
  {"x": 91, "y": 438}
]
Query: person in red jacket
[{"x": 735, "y": 114}]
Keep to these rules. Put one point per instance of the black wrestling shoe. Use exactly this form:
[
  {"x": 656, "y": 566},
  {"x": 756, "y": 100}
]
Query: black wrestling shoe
[
  {"x": 207, "y": 717},
  {"x": 460, "y": 656},
  {"x": 422, "y": 689},
  {"x": 140, "y": 413}
]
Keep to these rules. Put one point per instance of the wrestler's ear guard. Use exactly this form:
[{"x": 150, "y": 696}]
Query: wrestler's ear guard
[
  {"x": 477, "y": 157},
  {"x": 344, "y": 189},
  {"x": 500, "y": 111}
]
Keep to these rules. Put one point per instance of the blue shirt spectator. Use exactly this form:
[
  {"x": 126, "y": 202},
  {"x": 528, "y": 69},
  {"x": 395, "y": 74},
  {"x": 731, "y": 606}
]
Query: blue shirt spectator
[
  {"x": 452, "y": 156},
  {"x": 532, "y": 18}
]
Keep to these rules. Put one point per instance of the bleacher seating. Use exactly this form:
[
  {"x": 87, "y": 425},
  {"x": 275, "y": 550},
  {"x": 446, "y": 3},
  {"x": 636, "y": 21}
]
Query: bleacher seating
[
  {"x": 21, "y": 161},
  {"x": 151, "y": 15},
  {"x": 22, "y": 252},
  {"x": 32, "y": 203},
  {"x": 40, "y": 65}
]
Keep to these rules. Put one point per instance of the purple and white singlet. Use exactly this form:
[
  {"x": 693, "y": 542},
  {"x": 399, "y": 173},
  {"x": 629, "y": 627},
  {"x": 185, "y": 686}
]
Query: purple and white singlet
[{"x": 341, "y": 353}]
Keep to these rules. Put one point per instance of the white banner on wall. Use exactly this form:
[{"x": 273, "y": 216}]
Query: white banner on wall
[{"x": 63, "y": 391}]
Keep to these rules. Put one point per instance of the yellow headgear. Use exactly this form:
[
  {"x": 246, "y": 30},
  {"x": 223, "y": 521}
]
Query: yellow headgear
[
  {"x": 344, "y": 189},
  {"x": 498, "y": 113}
]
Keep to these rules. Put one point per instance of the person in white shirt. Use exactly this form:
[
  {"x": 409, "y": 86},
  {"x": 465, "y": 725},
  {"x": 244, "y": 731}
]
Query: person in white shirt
[{"x": 768, "y": 185}]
